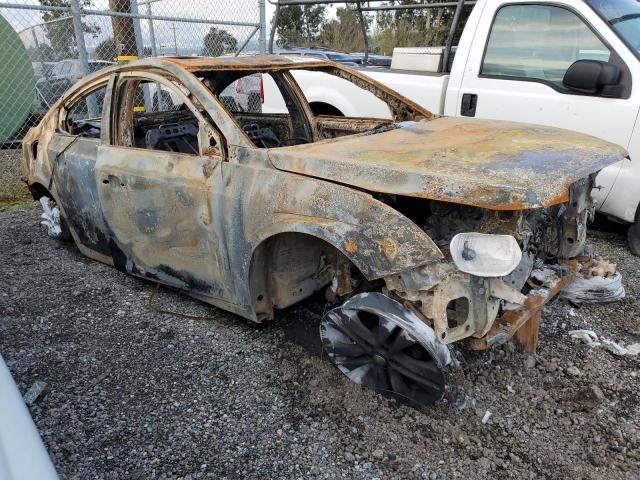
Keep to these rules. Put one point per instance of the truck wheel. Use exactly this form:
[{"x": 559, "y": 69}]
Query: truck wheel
[
  {"x": 321, "y": 108},
  {"x": 633, "y": 237},
  {"x": 378, "y": 343}
]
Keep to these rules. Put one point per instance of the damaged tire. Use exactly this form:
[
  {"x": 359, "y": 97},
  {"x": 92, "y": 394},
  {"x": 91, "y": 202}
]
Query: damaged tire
[{"x": 378, "y": 343}]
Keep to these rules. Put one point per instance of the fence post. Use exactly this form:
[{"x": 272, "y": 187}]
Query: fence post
[
  {"x": 92, "y": 105},
  {"x": 140, "y": 47},
  {"x": 262, "y": 36},
  {"x": 152, "y": 33}
]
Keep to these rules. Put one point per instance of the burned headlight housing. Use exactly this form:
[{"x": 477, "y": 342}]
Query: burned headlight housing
[{"x": 485, "y": 255}]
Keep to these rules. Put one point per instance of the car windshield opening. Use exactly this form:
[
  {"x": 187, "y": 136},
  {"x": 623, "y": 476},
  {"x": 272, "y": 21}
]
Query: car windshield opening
[{"x": 273, "y": 110}]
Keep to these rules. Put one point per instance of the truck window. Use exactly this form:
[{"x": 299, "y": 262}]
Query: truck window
[
  {"x": 624, "y": 18},
  {"x": 539, "y": 42}
]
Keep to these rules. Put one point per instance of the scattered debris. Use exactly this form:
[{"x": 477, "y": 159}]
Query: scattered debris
[
  {"x": 50, "y": 218},
  {"x": 486, "y": 417},
  {"x": 596, "y": 282},
  {"x": 574, "y": 371},
  {"x": 599, "y": 268},
  {"x": 587, "y": 336},
  {"x": 34, "y": 392},
  {"x": 463, "y": 402},
  {"x": 378, "y": 454},
  {"x": 591, "y": 338},
  {"x": 530, "y": 361},
  {"x": 617, "y": 349}
]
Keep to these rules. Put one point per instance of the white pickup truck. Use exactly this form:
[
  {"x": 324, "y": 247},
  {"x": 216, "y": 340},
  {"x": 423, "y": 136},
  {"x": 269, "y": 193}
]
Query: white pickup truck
[{"x": 573, "y": 64}]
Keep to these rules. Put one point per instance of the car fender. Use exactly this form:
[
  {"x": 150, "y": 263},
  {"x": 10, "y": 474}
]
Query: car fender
[{"x": 377, "y": 239}]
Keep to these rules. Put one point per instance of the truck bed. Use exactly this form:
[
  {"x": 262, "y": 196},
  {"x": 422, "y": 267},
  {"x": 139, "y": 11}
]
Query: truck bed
[{"x": 425, "y": 88}]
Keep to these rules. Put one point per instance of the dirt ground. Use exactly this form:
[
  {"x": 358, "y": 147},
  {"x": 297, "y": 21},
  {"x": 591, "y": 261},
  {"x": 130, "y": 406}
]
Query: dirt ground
[
  {"x": 135, "y": 394},
  {"x": 12, "y": 190}
]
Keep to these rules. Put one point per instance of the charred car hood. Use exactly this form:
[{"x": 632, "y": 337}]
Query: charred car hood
[{"x": 491, "y": 164}]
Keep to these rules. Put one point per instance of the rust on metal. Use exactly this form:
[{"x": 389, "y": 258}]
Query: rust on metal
[
  {"x": 489, "y": 164},
  {"x": 254, "y": 211},
  {"x": 523, "y": 322}
]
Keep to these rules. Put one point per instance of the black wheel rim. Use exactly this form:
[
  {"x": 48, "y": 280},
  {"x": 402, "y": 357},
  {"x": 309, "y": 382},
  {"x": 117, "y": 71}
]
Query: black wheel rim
[{"x": 373, "y": 349}]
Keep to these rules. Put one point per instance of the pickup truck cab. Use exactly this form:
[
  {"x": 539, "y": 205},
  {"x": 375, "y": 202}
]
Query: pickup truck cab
[{"x": 572, "y": 64}]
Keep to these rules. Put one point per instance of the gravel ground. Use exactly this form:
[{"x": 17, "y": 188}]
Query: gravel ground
[{"x": 134, "y": 394}]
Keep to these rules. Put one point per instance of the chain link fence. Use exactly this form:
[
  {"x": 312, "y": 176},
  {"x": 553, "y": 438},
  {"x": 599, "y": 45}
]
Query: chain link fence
[{"x": 48, "y": 45}]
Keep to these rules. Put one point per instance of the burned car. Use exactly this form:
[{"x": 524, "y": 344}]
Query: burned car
[{"x": 422, "y": 231}]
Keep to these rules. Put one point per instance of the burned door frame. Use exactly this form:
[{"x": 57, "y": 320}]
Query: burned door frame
[
  {"x": 163, "y": 208},
  {"x": 72, "y": 179}
]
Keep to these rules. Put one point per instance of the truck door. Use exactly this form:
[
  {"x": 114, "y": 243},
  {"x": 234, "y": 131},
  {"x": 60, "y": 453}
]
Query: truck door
[{"x": 517, "y": 62}]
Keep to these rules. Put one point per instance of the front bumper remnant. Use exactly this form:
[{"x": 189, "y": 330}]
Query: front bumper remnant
[{"x": 523, "y": 322}]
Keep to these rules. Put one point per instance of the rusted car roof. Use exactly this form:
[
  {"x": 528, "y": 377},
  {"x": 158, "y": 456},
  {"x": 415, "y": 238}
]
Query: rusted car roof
[
  {"x": 247, "y": 62},
  {"x": 490, "y": 164}
]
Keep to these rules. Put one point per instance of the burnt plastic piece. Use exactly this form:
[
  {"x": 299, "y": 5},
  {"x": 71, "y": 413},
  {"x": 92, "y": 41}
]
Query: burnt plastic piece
[{"x": 174, "y": 138}]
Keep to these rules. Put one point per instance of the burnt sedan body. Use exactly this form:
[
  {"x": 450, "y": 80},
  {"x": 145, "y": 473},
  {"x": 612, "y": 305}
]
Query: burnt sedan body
[{"x": 424, "y": 231}]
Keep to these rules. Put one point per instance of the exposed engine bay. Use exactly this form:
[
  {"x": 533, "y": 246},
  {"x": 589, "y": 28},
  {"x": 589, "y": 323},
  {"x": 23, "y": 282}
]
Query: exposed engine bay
[
  {"x": 546, "y": 233},
  {"x": 460, "y": 297}
]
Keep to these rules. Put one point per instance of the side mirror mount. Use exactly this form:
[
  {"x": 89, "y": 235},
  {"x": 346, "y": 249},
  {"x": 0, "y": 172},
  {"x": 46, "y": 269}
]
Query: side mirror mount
[{"x": 594, "y": 77}]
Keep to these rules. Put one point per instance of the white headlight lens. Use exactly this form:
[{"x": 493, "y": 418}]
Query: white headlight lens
[{"x": 485, "y": 255}]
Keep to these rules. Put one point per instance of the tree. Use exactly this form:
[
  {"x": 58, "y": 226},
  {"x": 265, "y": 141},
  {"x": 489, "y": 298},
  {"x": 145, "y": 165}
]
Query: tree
[
  {"x": 124, "y": 34},
  {"x": 300, "y": 26},
  {"x": 59, "y": 30},
  {"x": 218, "y": 42},
  {"x": 106, "y": 50},
  {"x": 415, "y": 28},
  {"x": 344, "y": 33}
]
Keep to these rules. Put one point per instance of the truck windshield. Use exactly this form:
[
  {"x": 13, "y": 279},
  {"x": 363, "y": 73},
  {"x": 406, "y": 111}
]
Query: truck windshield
[{"x": 624, "y": 18}]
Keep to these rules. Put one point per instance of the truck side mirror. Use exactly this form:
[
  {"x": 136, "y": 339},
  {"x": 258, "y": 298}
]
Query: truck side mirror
[{"x": 594, "y": 77}]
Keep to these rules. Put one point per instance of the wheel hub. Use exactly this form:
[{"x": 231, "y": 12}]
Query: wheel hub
[{"x": 379, "y": 360}]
